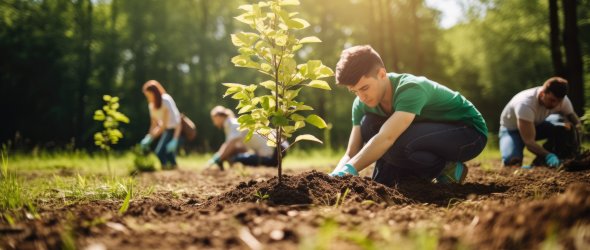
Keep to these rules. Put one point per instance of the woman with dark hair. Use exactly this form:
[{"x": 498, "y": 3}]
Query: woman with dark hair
[{"x": 165, "y": 122}]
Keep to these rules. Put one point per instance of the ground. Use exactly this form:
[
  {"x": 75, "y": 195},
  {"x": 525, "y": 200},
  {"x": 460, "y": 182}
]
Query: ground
[{"x": 245, "y": 208}]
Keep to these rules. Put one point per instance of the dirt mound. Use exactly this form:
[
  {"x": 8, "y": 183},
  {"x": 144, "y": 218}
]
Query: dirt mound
[
  {"x": 526, "y": 225},
  {"x": 578, "y": 163},
  {"x": 310, "y": 188}
]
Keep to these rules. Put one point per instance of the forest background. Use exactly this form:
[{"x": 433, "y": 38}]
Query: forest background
[{"x": 59, "y": 57}]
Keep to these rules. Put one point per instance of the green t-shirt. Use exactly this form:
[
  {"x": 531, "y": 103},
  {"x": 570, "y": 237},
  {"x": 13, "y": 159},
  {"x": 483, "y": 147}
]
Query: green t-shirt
[{"x": 427, "y": 99}]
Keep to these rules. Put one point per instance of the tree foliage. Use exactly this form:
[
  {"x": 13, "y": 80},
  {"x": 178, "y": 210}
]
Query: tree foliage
[
  {"x": 57, "y": 56},
  {"x": 275, "y": 112}
]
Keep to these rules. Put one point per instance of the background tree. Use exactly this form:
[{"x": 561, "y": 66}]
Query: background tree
[{"x": 58, "y": 55}]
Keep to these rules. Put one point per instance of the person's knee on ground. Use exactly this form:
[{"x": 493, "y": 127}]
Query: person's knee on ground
[{"x": 512, "y": 162}]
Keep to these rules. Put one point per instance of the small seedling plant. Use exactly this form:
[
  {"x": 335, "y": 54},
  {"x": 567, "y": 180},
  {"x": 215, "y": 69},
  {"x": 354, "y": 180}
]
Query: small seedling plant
[
  {"x": 261, "y": 197},
  {"x": 273, "y": 111},
  {"x": 110, "y": 118}
]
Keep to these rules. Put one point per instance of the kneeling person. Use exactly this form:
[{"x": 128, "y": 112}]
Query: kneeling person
[
  {"x": 409, "y": 125},
  {"x": 254, "y": 152},
  {"x": 535, "y": 114}
]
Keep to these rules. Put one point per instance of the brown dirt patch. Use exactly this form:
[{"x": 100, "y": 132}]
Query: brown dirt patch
[{"x": 218, "y": 210}]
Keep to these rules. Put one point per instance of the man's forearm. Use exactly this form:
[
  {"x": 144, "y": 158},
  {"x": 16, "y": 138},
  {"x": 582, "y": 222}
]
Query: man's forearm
[
  {"x": 536, "y": 149},
  {"x": 343, "y": 160}
]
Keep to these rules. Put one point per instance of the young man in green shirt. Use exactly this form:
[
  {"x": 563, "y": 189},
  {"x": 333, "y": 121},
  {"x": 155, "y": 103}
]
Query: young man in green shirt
[{"x": 409, "y": 125}]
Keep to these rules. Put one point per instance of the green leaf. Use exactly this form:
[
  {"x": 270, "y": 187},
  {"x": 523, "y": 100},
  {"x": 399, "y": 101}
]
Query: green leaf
[
  {"x": 265, "y": 67},
  {"x": 247, "y": 18},
  {"x": 297, "y": 23},
  {"x": 239, "y": 96},
  {"x": 319, "y": 84},
  {"x": 244, "y": 119},
  {"x": 299, "y": 124},
  {"x": 279, "y": 120},
  {"x": 310, "y": 39},
  {"x": 246, "y": 7},
  {"x": 99, "y": 115},
  {"x": 297, "y": 117},
  {"x": 281, "y": 40},
  {"x": 271, "y": 85},
  {"x": 234, "y": 85},
  {"x": 307, "y": 137},
  {"x": 245, "y": 109},
  {"x": 316, "y": 121},
  {"x": 303, "y": 107}
]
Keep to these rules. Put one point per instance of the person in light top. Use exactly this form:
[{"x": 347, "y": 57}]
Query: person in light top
[
  {"x": 254, "y": 152},
  {"x": 164, "y": 123},
  {"x": 543, "y": 112}
]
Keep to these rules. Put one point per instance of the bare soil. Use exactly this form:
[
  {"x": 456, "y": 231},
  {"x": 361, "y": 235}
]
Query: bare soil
[{"x": 498, "y": 208}]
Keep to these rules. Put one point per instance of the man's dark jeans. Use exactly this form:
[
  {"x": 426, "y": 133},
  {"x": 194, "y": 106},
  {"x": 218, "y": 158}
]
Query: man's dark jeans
[
  {"x": 251, "y": 159},
  {"x": 560, "y": 141},
  {"x": 423, "y": 149}
]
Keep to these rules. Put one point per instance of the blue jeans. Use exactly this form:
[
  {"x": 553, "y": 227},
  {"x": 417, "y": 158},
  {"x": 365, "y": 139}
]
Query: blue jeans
[
  {"x": 512, "y": 146},
  {"x": 166, "y": 158},
  {"x": 423, "y": 149}
]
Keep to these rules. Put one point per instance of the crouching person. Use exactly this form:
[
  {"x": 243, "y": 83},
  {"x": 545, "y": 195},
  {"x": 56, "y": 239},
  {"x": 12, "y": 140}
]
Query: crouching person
[
  {"x": 409, "y": 125},
  {"x": 254, "y": 152},
  {"x": 164, "y": 123},
  {"x": 543, "y": 112}
]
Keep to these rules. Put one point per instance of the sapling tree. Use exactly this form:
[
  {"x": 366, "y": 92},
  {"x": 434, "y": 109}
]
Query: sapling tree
[
  {"x": 273, "y": 111},
  {"x": 110, "y": 118}
]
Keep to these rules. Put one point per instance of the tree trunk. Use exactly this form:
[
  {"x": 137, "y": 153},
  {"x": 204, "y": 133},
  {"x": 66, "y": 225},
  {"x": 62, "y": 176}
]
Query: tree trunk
[
  {"x": 418, "y": 60},
  {"x": 85, "y": 25},
  {"x": 556, "y": 56},
  {"x": 393, "y": 53},
  {"x": 574, "y": 64}
]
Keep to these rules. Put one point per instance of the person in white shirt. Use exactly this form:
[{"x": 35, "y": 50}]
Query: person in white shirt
[
  {"x": 254, "y": 152},
  {"x": 534, "y": 114},
  {"x": 165, "y": 123}
]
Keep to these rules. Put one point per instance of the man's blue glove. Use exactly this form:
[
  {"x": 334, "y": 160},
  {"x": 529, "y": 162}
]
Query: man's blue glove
[
  {"x": 344, "y": 170},
  {"x": 214, "y": 160},
  {"x": 552, "y": 160},
  {"x": 172, "y": 145},
  {"x": 145, "y": 142}
]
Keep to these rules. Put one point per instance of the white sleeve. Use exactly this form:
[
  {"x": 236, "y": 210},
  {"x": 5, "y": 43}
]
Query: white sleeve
[
  {"x": 173, "y": 110},
  {"x": 524, "y": 112},
  {"x": 232, "y": 129},
  {"x": 566, "y": 107}
]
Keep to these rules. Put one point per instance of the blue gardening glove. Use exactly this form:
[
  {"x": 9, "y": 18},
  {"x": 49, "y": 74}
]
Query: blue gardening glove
[
  {"x": 214, "y": 160},
  {"x": 172, "y": 145},
  {"x": 145, "y": 142},
  {"x": 346, "y": 169},
  {"x": 552, "y": 160}
]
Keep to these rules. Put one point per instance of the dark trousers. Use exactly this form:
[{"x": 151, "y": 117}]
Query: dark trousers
[
  {"x": 251, "y": 159},
  {"x": 560, "y": 140},
  {"x": 423, "y": 149},
  {"x": 166, "y": 158}
]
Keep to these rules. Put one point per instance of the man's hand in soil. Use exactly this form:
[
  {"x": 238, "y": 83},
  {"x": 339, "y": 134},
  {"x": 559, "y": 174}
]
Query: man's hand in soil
[
  {"x": 214, "y": 160},
  {"x": 344, "y": 170},
  {"x": 551, "y": 160}
]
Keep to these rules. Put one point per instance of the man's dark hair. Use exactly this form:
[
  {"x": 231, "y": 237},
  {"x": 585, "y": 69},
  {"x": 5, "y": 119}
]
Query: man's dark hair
[
  {"x": 556, "y": 86},
  {"x": 356, "y": 62}
]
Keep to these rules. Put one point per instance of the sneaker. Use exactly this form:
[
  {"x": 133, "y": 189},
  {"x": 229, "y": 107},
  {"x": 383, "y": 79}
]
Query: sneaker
[{"x": 454, "y": 172}]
